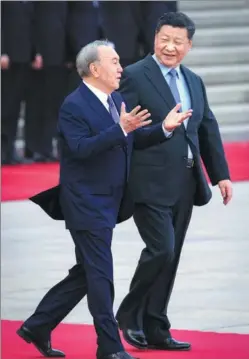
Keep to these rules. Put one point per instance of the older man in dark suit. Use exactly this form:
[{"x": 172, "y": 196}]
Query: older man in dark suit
[
  {"x": 172, "y": 178},
  {"x": 96, "y": 140}
]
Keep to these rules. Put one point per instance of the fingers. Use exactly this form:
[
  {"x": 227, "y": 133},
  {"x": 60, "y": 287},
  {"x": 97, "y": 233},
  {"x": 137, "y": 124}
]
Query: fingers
[
  {"x": 143, "y": 118},
  {"x": 139, "y": 119},
  {"x": 122, "y": 110},
  {"x": 223, "y": 192},
  {"x": 135, "y": 111},
  {"x": 182, "y": 116},
  {"x": 176, "y": 108},
  {"x": 228, "y": 195},
  {"x": 143, "y": 115},
  {"x": 143, "y": 123},
  {"x": 140, "y": 116}
]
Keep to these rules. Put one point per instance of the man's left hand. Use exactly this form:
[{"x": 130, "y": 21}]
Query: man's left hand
[{"x": 226, "y": 190}]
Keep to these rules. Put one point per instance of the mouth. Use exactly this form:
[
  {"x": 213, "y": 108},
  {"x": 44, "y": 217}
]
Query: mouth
[{"x": 169, "y": 55}]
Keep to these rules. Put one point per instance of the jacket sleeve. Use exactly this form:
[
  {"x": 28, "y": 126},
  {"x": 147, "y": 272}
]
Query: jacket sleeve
[
  {"x": 79, "y": 138},
  {"x": 211, "y": 147}
]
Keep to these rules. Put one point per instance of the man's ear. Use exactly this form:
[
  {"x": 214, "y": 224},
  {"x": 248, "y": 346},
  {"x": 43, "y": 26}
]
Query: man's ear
[{"x": 94, "y": 69}]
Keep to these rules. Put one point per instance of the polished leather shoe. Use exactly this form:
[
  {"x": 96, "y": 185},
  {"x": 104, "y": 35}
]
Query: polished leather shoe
[
  {"x": 44, "y": 346},
  {"x": 170, "y": 344},
  {"x": 136, "y": 338},
  {"x": 119, "y": 355}
]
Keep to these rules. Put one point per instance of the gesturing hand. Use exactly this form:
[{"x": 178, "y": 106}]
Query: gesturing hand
[
  {"x": 130, "y": 121},
  {"x": 174, "y": 118}
]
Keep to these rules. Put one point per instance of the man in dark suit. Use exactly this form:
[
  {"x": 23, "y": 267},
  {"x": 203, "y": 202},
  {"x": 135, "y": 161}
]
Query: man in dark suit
[
  {"x": 17, "y": 53},
  {"x": 96, "y": 140},
  {"x": 172, "y": 178},
  {"x": 47, "y": 81}
]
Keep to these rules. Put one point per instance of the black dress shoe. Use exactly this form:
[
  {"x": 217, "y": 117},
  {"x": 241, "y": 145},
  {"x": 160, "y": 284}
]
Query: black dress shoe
[
  {"x": 44, "y": 346},
  {"x": 119, "y": 355},
  {"x": 136, "y": 338},
  {"x": 170, "y": 344}
]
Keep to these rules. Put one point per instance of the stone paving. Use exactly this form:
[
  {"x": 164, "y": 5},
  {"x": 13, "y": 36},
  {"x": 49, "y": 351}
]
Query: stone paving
[{"x": 212, "y": 286}]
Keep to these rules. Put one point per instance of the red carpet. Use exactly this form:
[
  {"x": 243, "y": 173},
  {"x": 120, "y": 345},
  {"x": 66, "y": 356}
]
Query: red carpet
[
  {"x": 79, "y": 342},
  {"x": 22, "y": 181}
]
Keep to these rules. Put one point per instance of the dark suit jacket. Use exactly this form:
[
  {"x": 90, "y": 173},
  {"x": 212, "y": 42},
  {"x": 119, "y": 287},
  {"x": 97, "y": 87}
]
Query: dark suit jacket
[
  {"x": 50, "y": 31},
  {"x": 161, "y": 167},
  {"x": 17, "y": 31},
  {"x": 82, "y": 26},
  {"x": 94, "y": 164}
]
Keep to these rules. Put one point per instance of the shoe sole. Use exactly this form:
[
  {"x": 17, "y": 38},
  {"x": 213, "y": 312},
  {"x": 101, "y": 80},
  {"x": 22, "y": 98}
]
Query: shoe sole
[
  {"x": 23, "y": 336},
  {"x": 134, "y": 345},
  {"x": 154, "y": 347}
]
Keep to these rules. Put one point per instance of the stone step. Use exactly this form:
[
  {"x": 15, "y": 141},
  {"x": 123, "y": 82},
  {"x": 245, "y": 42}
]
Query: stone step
[
  {"x": 223, "y": 74},
  {"x": 232, "y": 94},
  {"x": 219, "y": 19},
  {"x": 187, "y": 5},
  {"x": 228, "y": 36},
  {"x": 234, "y": 132},
  {"x": 217, "y": 55},
  {"x": 231, "y": 114}
]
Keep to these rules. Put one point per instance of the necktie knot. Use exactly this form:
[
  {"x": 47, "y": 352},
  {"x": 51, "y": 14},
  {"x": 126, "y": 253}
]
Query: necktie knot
[{"x": 173, "y": 73}]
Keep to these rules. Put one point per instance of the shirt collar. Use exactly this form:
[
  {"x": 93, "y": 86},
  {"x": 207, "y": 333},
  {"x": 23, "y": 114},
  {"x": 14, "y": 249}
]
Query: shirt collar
[
  {"x": 165, "y": 70},
  {"x": 102, "y": 96}
]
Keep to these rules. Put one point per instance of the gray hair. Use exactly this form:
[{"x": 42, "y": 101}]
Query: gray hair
[{"x": 89, "y": 54}]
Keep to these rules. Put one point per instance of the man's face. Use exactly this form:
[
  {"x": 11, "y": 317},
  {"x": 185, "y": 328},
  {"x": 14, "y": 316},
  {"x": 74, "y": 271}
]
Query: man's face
[
  {"x": 171, "y": 45},
  {"x": 108, "y": 69}
]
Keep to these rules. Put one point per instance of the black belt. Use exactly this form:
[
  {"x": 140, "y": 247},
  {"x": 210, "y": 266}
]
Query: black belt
[{"x": 189, "y": 162}]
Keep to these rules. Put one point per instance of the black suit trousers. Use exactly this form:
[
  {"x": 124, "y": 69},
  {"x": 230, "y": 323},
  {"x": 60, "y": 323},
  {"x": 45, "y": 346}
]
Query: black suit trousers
[
  {"x": 13, "y": 88},
  {"x": 163, "y": 229},
  {"x": 47, "y": 89},
  {"x": 91, "y": 276}
]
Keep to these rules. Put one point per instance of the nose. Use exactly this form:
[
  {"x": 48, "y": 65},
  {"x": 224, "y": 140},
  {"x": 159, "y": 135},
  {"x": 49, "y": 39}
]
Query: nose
[{"x": 170, "y": 46}]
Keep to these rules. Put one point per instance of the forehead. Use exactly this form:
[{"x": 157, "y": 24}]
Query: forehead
[
  {"x": 167, "y": 30},
  {"x": 107, "y": 52}
]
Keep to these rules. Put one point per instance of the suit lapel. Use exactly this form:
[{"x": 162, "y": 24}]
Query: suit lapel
[
  {"x": 155, "y": 76},
  {"x": 95, "y": 103},
  {"x": 190, "y": 84},
  {"x": 193, "y": 91}
]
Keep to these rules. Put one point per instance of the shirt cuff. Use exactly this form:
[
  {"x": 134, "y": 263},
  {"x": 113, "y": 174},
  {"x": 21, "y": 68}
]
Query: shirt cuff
[
  {"x": 168, "y": 134},
  {"x": 123, "y": 131}
]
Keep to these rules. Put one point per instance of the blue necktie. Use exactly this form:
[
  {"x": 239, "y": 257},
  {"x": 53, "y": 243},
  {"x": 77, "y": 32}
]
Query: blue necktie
[
  {"x": 173, "y": 85},
  {"x": 112, "y": 109}
]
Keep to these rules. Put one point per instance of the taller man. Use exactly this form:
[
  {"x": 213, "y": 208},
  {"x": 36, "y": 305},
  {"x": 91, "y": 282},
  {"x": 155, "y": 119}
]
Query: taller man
[{"x": 167, "y": 179}]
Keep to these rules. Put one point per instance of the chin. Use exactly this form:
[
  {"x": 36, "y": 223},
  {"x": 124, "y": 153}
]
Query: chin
[{"x": 170, "y": 62}]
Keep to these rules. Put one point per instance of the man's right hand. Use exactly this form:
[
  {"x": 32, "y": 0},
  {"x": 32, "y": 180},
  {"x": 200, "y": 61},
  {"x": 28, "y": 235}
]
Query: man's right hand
[
  {"x": 175, "y": 119},
  {"x": 130, "y": 121},
  {"x": 5, "y": 62}
]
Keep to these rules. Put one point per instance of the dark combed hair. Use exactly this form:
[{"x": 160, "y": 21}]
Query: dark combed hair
[{"x": 176, "y": 19}]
